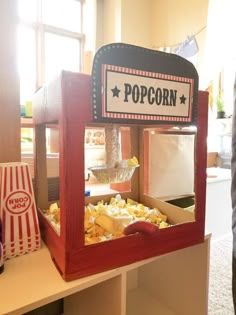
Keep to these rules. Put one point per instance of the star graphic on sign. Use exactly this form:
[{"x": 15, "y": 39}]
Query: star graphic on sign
[
  {"x": 182, "y": 99},
  {"x": 115, "y": 91}
]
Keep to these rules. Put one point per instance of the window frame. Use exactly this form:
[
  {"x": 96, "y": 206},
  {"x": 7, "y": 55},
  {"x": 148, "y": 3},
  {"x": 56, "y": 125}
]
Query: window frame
[{"x": 40, "y": 29}]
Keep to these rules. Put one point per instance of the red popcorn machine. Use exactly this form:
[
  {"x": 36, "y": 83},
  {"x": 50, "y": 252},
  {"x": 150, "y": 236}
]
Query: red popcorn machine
[{"x": 120, "y": 160}]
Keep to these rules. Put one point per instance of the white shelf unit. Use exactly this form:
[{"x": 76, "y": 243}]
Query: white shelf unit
[
  {"x": 219, "y": 140},
  {"x": 175, "y": 283},
  {"x": 218, "y": 217}
]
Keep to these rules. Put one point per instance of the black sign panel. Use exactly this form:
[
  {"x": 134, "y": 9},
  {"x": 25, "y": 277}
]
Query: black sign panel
[{"x": 132, "y": 84}]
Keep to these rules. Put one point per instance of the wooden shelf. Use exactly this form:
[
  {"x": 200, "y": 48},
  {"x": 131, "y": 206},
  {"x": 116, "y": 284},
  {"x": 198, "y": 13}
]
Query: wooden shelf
[
  {"x": 26, "y": 123},
  {"x": 159, "y": 284},
  {"x": 139, "y": 302}
]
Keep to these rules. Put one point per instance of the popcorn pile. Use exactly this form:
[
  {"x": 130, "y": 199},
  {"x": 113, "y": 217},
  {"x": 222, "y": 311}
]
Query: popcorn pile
[
  {"x": 132, "y": 162},
  {"x": 53, "y": 216},
  {"x": 106, "y": 221}
]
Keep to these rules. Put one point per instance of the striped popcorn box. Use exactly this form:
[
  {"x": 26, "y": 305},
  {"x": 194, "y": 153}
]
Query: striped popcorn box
[{"x": 20, "y": 228}]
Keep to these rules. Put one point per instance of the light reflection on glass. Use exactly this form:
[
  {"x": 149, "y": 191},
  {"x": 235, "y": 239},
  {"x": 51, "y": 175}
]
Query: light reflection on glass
[
  {"x": 60, "y": 53},
  {"x": 26, "y": 62},
  {"x": 62, "y": 13},
  {"x": 27, "y": 10}
]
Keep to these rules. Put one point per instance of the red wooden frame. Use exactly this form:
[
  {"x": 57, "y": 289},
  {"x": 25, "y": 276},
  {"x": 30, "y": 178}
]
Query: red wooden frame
[{"x": 67, "y": 101}]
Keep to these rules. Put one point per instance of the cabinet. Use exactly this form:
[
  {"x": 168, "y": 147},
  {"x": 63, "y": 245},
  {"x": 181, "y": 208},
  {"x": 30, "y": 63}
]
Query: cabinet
[
  {"x": 174, "y": 283},
  {"x": 218, "y": 209},
  {"x": 219, "y": 140}
]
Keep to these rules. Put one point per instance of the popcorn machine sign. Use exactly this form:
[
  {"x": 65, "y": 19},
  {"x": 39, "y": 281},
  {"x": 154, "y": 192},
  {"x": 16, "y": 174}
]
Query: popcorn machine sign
[
  {"x": 18, "y": 202},
  {"x": 133, "y": 84},
  {"x": 135, "y": 94}
]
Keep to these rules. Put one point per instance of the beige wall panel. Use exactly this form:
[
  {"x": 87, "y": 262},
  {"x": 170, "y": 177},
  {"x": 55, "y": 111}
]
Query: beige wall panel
[
  {"x": 173, "y": 21},
  {"x": 136, "y": 22},
  {"x": 111, "y": 21},
  {"x": 153, "y": 23}
]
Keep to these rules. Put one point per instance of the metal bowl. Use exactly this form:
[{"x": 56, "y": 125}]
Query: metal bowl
[{"x": 106, "y": 175}]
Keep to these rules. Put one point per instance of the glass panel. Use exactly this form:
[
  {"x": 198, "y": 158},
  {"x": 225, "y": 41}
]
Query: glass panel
[
  {"x": 52, "y": 149},
  {"x": 170, "y": 156},
  {"x": 108, "y": 160},
  {"x": 27, "y": 136},
  {"x": 27, "y": 10},
  {"x": 63, "y": 13},
  {"x": 60, "y": 53},
  {"x": 111, "y": 166},
  {"x": 26, "y": 63},
  {"x": 52, "y": 212}
]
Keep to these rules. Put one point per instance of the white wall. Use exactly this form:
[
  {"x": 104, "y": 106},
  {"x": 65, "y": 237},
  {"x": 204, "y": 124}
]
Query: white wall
[
  {"x": 152, "y": 23},
  {"x": 124, "y": 21},
  {"x": 135, "y": 22}
]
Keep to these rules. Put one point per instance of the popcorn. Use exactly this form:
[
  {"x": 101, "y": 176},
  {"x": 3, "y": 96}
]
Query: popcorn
[
  {"x": 106, "y": 221},
  {"x": 133, "y": 162}
]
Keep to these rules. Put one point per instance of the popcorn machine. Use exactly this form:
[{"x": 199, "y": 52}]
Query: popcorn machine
[{"x": 130, "y": 153}]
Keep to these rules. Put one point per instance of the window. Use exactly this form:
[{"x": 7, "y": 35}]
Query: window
[{"x": 50, "y": 38}]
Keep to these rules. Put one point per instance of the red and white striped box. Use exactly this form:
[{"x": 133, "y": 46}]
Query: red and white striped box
[{"x": 20, "y": 228}]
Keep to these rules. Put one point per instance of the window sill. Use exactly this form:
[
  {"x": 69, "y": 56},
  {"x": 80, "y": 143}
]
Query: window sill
[{"x": 26, "y": 122}]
